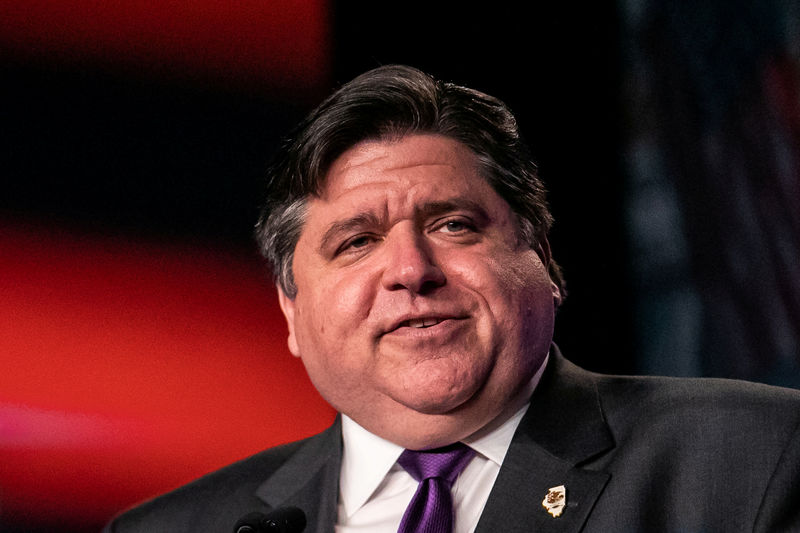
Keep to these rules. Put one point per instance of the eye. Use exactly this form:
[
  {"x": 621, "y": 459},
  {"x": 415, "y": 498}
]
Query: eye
[
  {"x": 456, "y": 226},
  {"x": 355, "y": 243},
  {"x": 359, "y": 242}
]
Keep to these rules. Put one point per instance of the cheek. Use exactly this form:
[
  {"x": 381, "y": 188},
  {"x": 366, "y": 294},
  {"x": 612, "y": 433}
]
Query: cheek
[
  {"x": 501, "y": 276},
  {"x": 516, "y": 289},
  {"x": 334, "y": 316},
  {"x": 334, "y": 340},
  {"x": 352, "y": 294}
]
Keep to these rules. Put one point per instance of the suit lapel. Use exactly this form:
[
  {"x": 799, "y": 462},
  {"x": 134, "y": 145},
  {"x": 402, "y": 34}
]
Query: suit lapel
[
  {"x": 309, "y": 479},
  {"x": 563, "y": 428}
]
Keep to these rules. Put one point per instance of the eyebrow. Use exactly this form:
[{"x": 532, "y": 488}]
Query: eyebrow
[
  {"x": 432, "y": 209},
  {"x": 427, "y": 210},
  {"x": 360, "y": 220}
]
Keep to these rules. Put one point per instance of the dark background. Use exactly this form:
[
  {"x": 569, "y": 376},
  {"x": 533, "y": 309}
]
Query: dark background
[
  {"x": 114, "y": 151},
  {"x": 668, "y": 137},
  {"x": 560, "y": 73}
]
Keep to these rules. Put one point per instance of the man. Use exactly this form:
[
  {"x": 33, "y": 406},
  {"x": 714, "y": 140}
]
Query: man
[{"x": 407, "y": 231}]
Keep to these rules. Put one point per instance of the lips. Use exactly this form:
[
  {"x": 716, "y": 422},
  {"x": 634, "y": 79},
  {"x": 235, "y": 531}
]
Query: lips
[{"x": 420, "y": 322}]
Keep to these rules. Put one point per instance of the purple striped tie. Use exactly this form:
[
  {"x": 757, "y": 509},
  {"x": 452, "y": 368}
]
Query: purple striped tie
[{"x": 431, "y": 508}]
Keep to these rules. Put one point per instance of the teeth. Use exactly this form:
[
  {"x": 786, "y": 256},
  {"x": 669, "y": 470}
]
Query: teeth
[{"x": 421, "y": 322}]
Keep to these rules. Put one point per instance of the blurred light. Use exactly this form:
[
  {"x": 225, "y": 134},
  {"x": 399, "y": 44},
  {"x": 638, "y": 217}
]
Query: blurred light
[
  {"x": 282, "y": 44},
  {"x": 129, "y": 368}
]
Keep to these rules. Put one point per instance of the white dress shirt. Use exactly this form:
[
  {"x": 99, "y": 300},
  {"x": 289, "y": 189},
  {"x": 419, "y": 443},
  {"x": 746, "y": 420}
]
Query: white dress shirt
[{"x": 374, "y": 490}]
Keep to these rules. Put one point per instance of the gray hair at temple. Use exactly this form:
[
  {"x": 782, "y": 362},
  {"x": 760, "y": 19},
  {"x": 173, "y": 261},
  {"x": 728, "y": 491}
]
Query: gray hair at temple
[{"x": 387, "y": 103}]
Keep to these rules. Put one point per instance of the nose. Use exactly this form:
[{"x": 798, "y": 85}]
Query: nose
[{"x": 410, "y": 264}]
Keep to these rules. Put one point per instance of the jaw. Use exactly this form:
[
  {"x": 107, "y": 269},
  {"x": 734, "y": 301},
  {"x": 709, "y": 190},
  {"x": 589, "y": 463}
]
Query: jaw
[
  {"x": 416, "y": 430},
  {"x": 438, "y": 386},
  {"x": 432, "y": 423}
]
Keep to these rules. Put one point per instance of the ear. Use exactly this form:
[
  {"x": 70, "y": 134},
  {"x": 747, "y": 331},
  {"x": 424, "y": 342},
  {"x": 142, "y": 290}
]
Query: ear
[
  {"x": 556, "y": 294},
  {"x": 288, "y": 308},
  {"x": 545, "y": 255}
]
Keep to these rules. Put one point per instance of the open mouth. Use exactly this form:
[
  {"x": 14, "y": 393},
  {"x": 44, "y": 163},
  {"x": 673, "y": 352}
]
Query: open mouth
[{"x": 420, "y": 322}]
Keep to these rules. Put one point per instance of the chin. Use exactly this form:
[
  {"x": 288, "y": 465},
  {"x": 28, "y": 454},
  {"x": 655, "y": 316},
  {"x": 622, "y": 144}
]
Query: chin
[
  {"x": 423, "y": 423},
  {"x": 433, "y": 407},
  {"x": 439, "y": 403},
  {"x": 438, "y": 387}
]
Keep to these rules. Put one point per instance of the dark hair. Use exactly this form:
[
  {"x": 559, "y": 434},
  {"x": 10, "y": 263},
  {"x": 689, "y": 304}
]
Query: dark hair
[{"x": 390, "y": 102}]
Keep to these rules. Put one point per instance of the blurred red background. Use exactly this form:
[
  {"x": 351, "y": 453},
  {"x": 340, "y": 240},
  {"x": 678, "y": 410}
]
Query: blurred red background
[
  {"x": 132, "y": 365},
  {"x": 283, "y": 45},
  {"x": 130, "y": 368}
]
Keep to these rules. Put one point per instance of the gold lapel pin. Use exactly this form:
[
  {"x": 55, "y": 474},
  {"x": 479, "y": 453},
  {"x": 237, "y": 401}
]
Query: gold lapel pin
[{"x": 556, "y": 500}]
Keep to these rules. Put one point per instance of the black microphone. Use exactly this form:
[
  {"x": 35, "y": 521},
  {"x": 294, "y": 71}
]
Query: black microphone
[{"x": 280, "y": 520}]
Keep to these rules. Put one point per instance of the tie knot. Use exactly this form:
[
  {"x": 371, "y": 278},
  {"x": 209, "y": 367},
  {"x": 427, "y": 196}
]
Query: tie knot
[{"x": 445, "y": 463}]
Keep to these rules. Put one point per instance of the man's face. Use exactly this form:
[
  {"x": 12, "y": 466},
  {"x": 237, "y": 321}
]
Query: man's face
[{"x": 418, "y": 313}]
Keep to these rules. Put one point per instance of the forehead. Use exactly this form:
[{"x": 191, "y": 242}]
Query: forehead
[{"x": 426, "y": 161}]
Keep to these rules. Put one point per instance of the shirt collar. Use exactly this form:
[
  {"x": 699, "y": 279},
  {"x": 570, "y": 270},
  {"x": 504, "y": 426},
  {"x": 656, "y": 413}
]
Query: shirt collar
[{"x": 367, "y": 458}]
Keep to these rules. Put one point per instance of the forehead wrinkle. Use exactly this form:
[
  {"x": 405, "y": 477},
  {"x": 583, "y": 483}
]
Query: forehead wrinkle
[
  {"x": 374, "y": 151},
  {"x": 351, "y": 179}
]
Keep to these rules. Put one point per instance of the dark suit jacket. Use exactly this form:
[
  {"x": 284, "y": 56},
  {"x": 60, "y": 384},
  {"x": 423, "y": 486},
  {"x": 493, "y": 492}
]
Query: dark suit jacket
[{"x": 635, "y": 454}]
